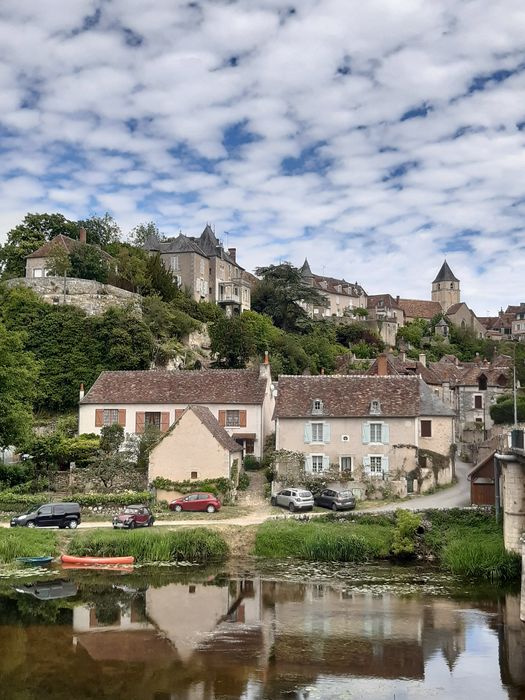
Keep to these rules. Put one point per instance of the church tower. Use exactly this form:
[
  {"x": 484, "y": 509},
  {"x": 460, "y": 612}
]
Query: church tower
[{"x": 445, "y": 288}]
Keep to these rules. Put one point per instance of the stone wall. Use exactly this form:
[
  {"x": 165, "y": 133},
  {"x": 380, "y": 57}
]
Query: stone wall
[
  {"x": 93, "y": 297},
  {"x": 82, "y": 481},
  {"x": 513, "y": 504}
]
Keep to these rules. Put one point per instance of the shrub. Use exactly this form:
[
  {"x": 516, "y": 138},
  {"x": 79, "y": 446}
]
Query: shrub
[
  {"x": 251, "y": 463},
  {"x": 244, "y": 481},
  {"x": 13, "y": 502},
  {"x": 404, "y": 541},
  {"x": 216, "y": 486},
  {"x": 476, "y": 556}
]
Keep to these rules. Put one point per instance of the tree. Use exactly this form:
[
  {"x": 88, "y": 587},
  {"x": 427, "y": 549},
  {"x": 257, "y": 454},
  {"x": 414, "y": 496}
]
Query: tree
[
  {"x": 18, "y": 378},
  {"x": 111, "y": 437},
  {"x": 28, "y": 236},
  {"x": 503, "y": 410},
  {"x": 230, "y": 344},
  {"x": 161, "y": 280},
  {"x": 59, "y": 261},
  {"x": 132, "y": 265},
  {"x": 89, "y": 263},
  {"x": 101, "y": 230},
  {"x": 141, "y": 233},
  {"x": 414, "y": 331},
  {"x": 280, "y": 294}
]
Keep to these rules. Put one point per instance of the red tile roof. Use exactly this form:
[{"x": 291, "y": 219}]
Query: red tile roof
[
  {"x": 227, "y": 386},
  {"x": 419, "y": 308}
]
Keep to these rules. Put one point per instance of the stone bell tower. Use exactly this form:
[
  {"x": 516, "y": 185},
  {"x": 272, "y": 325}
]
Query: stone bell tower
[{"x": 445, "y": 288}]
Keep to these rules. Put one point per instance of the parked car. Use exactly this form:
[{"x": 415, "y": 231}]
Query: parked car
[
  {"x": 336, "y": 500},
  {"x": 196, "y": 501},
  {"x": 294, "y": 499},
  {"x": 49, "y": 515},
  {"x": 134, "y": 516},
  {"x": 49, "y": 590}
]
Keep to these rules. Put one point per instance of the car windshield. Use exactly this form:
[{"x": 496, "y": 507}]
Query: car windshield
[
  {"x": 345, "y": 494},
  {"x": 33, "y": 509},
  {"x": 304, "y": 494},
  {"x": 131, "y": 511}
]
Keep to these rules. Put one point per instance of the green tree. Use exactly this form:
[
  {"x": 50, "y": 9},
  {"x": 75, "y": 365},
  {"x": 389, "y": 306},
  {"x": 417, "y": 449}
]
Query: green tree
[
  {"x": 141, "y": 233},
  {"x": 132, "y": 265},
  {"x": 89, "y": 263},
  {"x": 59, "y": 262},
  {"x": 280, "y": 294},
  {"x": 111, "y": 437},
  {"x": 503, "y": 410},
  {"x": 260, "y": 329},
  {"x": 120, "y": 340},
  {"x": 161, "y": 280},
  {"x": 230, "y": 343},
  {"x": 18, "y": 378},
  {"x": 321, "y": 347},
  {"x": 414, "y": 331},
  {"x": 101, "y": 230}
]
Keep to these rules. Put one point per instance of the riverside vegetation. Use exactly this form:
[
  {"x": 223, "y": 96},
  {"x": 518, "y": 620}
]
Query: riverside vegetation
[{"x": 466, "y": 543}]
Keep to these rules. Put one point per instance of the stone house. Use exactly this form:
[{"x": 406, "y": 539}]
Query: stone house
[
  {"x": 362, "y": 427},
  {"x": 341, "y": 296},
  {"x": 518, "y": 323},
  {"x": 39, "y": 261},
  {"x": 195, "y": 447},
  {"x": 241, "y": 400},
  {"x": 205, "y": 269}
]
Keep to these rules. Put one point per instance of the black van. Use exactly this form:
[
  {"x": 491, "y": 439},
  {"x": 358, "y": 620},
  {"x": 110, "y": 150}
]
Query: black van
[{"x": 49, "y": 515}]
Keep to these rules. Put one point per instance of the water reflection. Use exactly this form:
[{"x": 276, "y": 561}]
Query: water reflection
[{"x": 249, "y": 638}]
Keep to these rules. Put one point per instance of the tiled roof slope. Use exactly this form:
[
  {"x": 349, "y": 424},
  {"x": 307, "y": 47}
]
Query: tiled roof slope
[
  {"x": 419, "y": 308},
  {"x": 228, "y": 386},
  {"x": 445, "y": 274},
  {"x": 388, "y": 301},
  {"x": 65, "y": 242},
  {"x": 209, "y": 421},
  {"x": 351, "y": 396}
]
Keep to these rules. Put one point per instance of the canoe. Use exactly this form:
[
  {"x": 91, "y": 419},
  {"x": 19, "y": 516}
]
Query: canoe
[
  {"x": 35, "y": 561},
  {"x": 89, "y": 561},
  {"x": 127, "y": 569}
]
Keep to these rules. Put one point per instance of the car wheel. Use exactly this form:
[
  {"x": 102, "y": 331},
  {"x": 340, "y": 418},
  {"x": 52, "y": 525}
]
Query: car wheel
[
  {"x": 132, "y": 525},
  {"x": 334, "y": 507},
  {"x": 31, "y": 524},
  {"x": 178, "y": 508},
  {"x": 150, "y": 522},
  {"x": 73, "y": 525},
  {"x": 273, "y": 501},
  {"x": 210, "y": 509},
  {"x": 291, "y": 507}
]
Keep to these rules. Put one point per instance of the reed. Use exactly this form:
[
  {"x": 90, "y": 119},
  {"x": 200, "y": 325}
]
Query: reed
[
  {"x": 323, "y": 541},
  {"x": 476, "y": 556},
  {"x": 198, "y": 545},
  {"x": 21, "y": 542}
]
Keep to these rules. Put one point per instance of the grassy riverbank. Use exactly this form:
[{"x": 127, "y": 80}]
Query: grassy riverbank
[{"x": 27, "y": 543}]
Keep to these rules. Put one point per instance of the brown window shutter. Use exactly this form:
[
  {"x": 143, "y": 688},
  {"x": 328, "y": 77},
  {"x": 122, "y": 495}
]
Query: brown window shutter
[
  {"x": 242, "y": 419},
  {"x": 122, "y": 417},
  {"x": 140, "y": 419},
  {"x": 178, "y": 413},
  {"x": 222, "y": 418},
  {"x": 99, "y": 417},
  {"x": 164, "y": 421}
]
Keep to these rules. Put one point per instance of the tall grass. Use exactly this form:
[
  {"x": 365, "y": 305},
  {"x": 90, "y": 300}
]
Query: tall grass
[
  {"x": 476, "y": 556},
  {"x": 20, "y": 542},
  {"x": 323, "y": 541},
  {"x": 199, "y": 545}
]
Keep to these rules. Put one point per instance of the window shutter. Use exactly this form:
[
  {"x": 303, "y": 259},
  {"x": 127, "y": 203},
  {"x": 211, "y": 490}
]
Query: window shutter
[
  {"x": 99, "y": 417},
  {"x": 308, "y": 463},
  {"x": 178, "y": 413},
  {"x": 122, "y": 417},
  {"x": 164, "y": 421},
  {"x": 326, "y": 432},
  {"x": 242, "y": 419},
  {"x": 384, "y": 464},
  {"x": 222, "y": 418},
  {"x": 140, "y": 419},
  {"x": 326, "y": 462},
  {"x": 308, "y": 435},
  {"x": 366, "y": 464},
  {"x": 385, "y": 431},
  {"x": 366, "y": 433}
]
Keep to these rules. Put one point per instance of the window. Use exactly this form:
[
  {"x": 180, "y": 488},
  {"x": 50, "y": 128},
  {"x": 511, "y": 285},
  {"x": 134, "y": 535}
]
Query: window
[
  {"x": 111, "y": 416},
  {"x": 376, "y": 430},
  {"x": 426, "y": 428},
  {"x": 317, "y": 432},
  {"x": 482, "y": 382},
  {"x": 478, "y": 401},
  {"x": 232, "y": 419},
  {"x": 452, "y": 285},
  {"x": 44, "y": 510},
  {"x": 38, "y": 272},
  {"x": 175, "y": 262},
  {"x": 152, "y": 418},
  {"x": 317, "y": 406},
  {"x": 194, "y": 475},
  {"x": 317, "y": 464},
  {"x": 375, "y": 407},
  {"x": 345, "y": 464},
  {"x": 376, "y": 465},
  {"x": 192, "y": 589}
]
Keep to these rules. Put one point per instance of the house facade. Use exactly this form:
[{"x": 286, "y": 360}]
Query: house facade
[
  {"x": 38, "y": 263},
  {"x": 242, "y": 401},
  {"x": 195, "y": 447},
  {"x": 365, "y": 427},
  {"x": 205, "y": 269},
  {"x": 341, "y": 296}
]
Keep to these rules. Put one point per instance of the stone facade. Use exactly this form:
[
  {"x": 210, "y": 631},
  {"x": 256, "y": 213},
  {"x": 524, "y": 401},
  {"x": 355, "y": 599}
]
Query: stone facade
[
  {"x": 513, "y": 503},
  {"x": 92, "y": 297}
]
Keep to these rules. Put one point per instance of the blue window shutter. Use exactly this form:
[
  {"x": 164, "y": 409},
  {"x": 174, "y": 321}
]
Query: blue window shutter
[
  {"x": 326, "y": 462},
  {"x": 385, "y": 433},
  {"x": 366, "y": 464},
  {"x": 307, "y": 432},
  {"x": 326, "y": 432},
  {"x": 384, "y": 464},
  {"x": 308, "y": 463},
  {"x": 366, "y": 433}
]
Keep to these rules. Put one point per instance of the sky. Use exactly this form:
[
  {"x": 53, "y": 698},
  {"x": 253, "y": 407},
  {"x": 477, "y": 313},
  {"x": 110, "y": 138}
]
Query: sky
[{"x": 375, "y": 138}]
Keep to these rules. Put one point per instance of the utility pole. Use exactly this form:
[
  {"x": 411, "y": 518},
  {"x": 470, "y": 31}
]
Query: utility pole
[{"x": 514, "y": 392}]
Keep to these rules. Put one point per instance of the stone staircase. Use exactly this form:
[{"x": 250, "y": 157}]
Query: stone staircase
[{"x": 254, "y": 494}]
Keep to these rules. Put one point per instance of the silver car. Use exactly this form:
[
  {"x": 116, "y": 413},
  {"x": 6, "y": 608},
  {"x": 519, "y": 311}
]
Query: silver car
[{"x": 294, "y": 499}]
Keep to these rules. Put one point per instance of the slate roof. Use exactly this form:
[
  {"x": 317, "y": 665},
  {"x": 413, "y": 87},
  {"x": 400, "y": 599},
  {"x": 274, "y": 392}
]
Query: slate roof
[
  {"x": 179, "y": 244},
  {"x": 218, "y": 386},
  {"x": 445, "y": 274},
  {"x": 388, "y": 301},
  {"x": 419, "y": 308},
  {"x": 351, "y": 396},
  {"x": 209, "y": 421},
  {"x": 67, "y": 243}
]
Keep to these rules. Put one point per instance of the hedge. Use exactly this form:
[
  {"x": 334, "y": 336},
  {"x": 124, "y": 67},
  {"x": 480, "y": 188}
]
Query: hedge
[
  {"x": 12, "y": 502},
  {"x": 215, "y": 486}
]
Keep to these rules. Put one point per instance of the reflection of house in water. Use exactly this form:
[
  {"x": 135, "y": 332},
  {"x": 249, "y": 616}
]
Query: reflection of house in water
[
  {"x": 511, "y": 635},
  {"x": 444, "y": 630}
]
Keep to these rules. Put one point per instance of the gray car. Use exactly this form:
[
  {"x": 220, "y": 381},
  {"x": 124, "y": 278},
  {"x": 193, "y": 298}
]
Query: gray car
[
  {"x": 336, "y": 500},
  {"x": 294, "y": 499}
]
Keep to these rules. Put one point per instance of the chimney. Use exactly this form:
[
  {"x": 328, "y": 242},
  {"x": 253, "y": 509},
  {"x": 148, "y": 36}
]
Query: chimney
[
  {"x": 82, "y": 235},
  {"x": 81, "y": 393},
  {"x": 322, "y": 370},
  {"x": 382, "y": 365},
  {"x": 423, "y": 359},
  {"x": 264, "y": 367},
  {"x": 397, "y": 299},
  {"x": 403, "y": 356},
  {"x": 232, "y": 252}
]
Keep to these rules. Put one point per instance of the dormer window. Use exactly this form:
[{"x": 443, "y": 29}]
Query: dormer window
[
  {"x": 375, "y": 408},
  {"x": 317, "y": 407},
  {"x": 482, "y": 382}
]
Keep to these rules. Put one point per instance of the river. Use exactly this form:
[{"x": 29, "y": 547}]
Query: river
[{"x": 256, "y": 630}]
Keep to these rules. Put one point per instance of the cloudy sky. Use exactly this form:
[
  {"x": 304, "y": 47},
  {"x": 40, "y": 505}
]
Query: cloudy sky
[{"x": 374, "y": 137}]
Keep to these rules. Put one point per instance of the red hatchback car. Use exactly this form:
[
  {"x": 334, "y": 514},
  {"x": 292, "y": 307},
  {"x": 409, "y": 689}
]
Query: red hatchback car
[{"x": 196, "y": 501}]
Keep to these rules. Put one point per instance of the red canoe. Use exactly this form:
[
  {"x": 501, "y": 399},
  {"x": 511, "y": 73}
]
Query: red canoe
[{"x": 90, "y": 561}]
